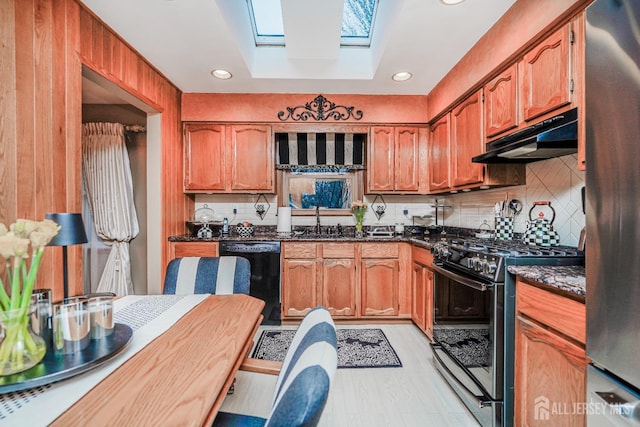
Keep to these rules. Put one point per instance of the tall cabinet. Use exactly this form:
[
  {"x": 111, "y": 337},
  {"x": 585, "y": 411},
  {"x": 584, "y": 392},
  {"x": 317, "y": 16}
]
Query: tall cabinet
[{"x": 467, "y": 141}]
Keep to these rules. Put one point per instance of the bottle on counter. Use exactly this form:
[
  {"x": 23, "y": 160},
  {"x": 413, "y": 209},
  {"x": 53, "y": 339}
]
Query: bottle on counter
[{"x": 225, "y": 227}]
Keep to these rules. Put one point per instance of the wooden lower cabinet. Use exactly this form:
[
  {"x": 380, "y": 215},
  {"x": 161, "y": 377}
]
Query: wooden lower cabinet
[
  {"x": 299, "y": 281},
  {"x": 379, "y": 281},
  {"x": 352, "y": 280},
  {"x": 339, "y": 286},
  {"x": 422, "y": 290},
  {"x": 299, "y": 286},
  {"x": 185, "y": 249},
  {"x": 318, "y": 274},
  {"x": 550, "y": 359}
]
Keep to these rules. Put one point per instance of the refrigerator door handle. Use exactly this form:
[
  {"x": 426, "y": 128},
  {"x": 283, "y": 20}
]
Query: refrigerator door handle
[{"x": 620, "y": 406}]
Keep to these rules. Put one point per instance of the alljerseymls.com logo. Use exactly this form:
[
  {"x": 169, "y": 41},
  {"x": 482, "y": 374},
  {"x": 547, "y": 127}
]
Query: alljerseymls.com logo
[
  {"x": 544, "y": 408},
  {"x": 541, "y": 408}
]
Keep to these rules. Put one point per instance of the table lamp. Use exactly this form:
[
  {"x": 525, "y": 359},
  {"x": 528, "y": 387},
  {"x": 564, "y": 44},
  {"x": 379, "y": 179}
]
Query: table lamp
[{"x": 71, "y": 233}]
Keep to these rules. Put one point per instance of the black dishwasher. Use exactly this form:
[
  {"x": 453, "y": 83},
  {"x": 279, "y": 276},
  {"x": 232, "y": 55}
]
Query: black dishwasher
[{"x": 264, "y": 258}]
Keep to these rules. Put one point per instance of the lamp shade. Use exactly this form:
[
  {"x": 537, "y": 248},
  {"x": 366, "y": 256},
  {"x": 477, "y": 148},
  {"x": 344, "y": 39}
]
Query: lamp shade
[{"x": 71, "y": 229}]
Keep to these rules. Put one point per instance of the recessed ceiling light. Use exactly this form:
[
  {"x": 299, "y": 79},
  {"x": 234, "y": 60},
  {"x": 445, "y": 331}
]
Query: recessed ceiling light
[
  {"x": 221, "y": 74},
  {"x": 401, "y": 76},
  {"x": 451, "y": 2}
]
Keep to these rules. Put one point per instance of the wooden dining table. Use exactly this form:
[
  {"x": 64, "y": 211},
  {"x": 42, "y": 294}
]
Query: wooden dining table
[{"x": 181, "y": 377}]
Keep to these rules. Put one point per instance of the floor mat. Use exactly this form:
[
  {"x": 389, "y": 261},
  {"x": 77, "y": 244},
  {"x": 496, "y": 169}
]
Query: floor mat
[{"x": 357, "y": 348}]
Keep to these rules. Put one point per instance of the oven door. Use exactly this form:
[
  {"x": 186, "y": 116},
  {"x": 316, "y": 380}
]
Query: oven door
[{"x": 468, "y": 334}]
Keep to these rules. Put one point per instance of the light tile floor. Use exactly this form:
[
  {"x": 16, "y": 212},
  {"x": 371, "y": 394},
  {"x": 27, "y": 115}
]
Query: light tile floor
[{"x": 414, "y": 395}]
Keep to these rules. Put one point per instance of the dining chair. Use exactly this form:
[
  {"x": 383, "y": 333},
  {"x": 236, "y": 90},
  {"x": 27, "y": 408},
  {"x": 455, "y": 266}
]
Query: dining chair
[
  {"x": 304, "y": 380},
  {"x": 208, "y": 275}
]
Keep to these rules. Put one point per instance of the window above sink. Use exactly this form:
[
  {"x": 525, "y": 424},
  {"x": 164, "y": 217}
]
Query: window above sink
[{"x": 320, "y": 169}]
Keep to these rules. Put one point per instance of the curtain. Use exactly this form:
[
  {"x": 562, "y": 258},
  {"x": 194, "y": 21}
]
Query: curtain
[
  {"x": 107, "y": 178},
  {"x": 300, "y": 150}
]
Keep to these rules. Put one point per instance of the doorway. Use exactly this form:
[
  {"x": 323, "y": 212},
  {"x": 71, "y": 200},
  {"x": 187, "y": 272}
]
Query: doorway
[{"x": 102, "y": 101}]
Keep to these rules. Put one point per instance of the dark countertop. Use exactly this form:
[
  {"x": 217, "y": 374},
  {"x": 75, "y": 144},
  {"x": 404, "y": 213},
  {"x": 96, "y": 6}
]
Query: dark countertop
[
  {"x": 270, "y": 237},
  {"x": 569, "y": 280}
]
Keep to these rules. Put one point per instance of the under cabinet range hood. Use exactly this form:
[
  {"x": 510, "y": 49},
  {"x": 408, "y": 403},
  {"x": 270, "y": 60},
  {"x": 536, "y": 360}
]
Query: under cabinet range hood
[{"x": 553, "y": 137}]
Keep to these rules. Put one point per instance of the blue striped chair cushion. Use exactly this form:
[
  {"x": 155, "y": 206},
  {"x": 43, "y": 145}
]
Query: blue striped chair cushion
[
  {"x": 208, "y": 275},
  {"x": 316, "y": 326},
  {"x": 303, "y": 385}
]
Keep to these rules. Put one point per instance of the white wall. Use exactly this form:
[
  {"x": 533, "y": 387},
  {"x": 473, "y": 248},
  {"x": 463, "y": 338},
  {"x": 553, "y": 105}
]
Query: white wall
[{"x": 556, "y": 180}]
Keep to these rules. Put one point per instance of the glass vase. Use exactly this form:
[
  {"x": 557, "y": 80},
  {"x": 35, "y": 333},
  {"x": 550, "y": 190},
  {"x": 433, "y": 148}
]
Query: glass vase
[
  {"x": 20, "y": 347},
  {"x": 359, "y": 232}
]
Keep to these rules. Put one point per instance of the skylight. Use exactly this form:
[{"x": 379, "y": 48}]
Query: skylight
[{"x": 357, "y": 22}]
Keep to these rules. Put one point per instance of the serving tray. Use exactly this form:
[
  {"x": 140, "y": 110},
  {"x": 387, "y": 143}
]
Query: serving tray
[{"x": 57, "y": 367}]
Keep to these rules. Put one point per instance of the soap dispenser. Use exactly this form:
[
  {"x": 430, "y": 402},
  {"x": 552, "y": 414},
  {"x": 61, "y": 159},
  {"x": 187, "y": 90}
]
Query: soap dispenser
[{"x": 225, "y": 227}]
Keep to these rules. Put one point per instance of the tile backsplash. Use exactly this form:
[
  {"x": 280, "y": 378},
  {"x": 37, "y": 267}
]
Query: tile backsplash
[{"x": 556, "y": 180}]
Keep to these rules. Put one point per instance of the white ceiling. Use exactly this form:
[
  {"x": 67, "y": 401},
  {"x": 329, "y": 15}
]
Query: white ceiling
[{"x": 186, "y": 39}]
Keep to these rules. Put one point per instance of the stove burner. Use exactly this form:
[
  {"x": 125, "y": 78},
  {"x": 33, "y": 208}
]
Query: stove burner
[{"x": 512, "y": 248}]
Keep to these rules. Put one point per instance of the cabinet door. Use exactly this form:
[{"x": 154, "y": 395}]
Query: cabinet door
[
  {"x": 339, "y": 286},
  {"x": 439, "y": 155},
  {"x": 407, "y": 155},
  {"x": 380, "y": 175},
  {"x": 204, "y": 157},
  {"x": 299, "y": 290},
  {"x": 467, "y": 141},
  {"x": 550, "y": 372},
  {"x": 418, "y": 296},
  {"x": 251, "y": 153},
  {"x": 379, "y": 283},
  {"x": 546, "y": 75},
  {"x": 500, "y": 103}
]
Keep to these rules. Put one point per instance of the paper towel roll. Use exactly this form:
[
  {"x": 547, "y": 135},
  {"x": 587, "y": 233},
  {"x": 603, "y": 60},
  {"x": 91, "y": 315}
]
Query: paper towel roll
[{"x": 284, "y": 220}]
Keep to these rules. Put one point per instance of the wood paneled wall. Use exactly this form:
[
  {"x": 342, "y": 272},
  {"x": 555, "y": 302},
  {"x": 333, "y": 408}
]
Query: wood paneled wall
[
  {"x": 44, "y": 45},
  {"x": 264, "y": 107}
]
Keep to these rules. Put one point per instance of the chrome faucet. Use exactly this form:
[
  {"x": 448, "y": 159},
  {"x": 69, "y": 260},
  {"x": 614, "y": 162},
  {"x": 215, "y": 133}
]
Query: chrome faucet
[{"x": 318, "y": 229}]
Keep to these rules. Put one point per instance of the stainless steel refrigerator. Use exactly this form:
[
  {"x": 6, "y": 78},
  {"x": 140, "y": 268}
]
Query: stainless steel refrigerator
[{"x": 613, "y": 212}]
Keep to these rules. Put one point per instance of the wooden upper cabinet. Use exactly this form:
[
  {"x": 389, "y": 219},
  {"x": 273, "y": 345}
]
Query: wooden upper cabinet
[
  {"x": 438, "y": 160},
  {"x": 394, "y": 159},
  {"x": 252, "y": 167},
  {"x": 204, "y": 157},
  {"x": 501, "y": 103},
  {"x": 407, "y": 158},
  {"x": 467, "y": 141},
  {"x": 546, "y": 75},
  {"x": 381, "y": 159},
  {"x": 228, "y": 159}
]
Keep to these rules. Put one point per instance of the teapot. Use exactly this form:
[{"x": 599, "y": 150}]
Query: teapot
[{"x": 540, "y": 231}]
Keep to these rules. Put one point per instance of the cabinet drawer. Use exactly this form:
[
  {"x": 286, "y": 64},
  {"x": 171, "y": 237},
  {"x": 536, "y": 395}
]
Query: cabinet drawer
[
  {"x": 186, "y": 249},
  {"x": 560, "y": 313},
  {"x": 300, "y": 250},
  {"x": 338, "y": 250},
  {"x": 422, "y": 256},
  {"x": 380, "y": 250}
]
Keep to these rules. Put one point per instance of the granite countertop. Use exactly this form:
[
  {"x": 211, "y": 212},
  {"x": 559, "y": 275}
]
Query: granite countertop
[
  {"x": 270, "y": 237},
  {"x": 568, "y": 279}
]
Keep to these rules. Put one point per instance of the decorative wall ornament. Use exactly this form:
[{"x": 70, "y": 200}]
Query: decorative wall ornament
[
  {"x": 261, "y": 206},
  {"x": 320, "y": 109},
  {"x": 379, "y": 206}
]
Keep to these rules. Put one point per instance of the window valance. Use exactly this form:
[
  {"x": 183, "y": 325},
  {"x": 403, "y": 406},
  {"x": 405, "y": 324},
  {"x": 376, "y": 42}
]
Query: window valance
[{"x": 328, "y": 150}]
